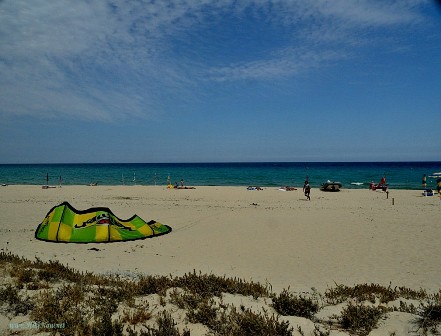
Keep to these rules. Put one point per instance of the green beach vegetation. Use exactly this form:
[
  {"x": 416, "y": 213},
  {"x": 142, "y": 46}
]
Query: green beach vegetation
[{"x": 61, "y": 300}]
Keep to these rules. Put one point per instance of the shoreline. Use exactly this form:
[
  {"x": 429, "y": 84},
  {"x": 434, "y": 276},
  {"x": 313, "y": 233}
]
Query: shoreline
[
  {"x": 365, "y": 186},
  {"x": 400, "y": 175},
  {"x": 270, "y": 236}
]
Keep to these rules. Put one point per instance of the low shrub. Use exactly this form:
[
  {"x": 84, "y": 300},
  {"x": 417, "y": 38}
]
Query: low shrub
[
  {"x": 360, "y": 319},
  {"x": 206, "y": 313},
  {"x": 186, "y": 300},
  {"x": 248, "y": 323},
  {"x": 362, "y": 292},
  {"x": 288, "y": 304},
  {"x": 369, "y": 292},
  {"x": 166, "y": 327},
  {"x": 212, "y": 285},
  {"x": 64, "y": 306},
  {"x": 14, "y": 302},
  {"x": 152, "y": 285},
  {"x": 138, "y": 314},
  {"x": 429, "y": 316},
  {"x": 104, "y": 326},
  {"x": 22, "y": 275}
]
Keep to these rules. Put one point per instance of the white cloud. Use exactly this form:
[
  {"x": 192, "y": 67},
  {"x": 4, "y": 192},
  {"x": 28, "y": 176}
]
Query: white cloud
[
  {"x": 288, "y": 63},
  {"x": 45, "y": 27},
  {"x": 326, "y": 31},
  {"x": 106, "y": 60},
  {"x": 368, "y": 13}
]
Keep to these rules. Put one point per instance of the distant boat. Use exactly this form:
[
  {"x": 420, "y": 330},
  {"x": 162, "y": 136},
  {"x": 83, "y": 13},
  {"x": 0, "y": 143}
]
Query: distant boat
[{"x": 331, "y": 186}]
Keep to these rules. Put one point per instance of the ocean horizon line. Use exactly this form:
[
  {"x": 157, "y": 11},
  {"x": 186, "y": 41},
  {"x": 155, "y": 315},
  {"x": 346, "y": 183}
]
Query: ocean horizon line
[{"x": 223, "y": 162}]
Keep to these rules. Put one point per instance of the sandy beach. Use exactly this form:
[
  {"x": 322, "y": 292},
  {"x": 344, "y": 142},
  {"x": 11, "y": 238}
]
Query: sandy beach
[{"x": 349, "y": 237}]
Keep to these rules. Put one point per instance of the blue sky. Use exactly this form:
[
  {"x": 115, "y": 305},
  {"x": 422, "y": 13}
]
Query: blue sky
[{"x": 217, "y": 81}]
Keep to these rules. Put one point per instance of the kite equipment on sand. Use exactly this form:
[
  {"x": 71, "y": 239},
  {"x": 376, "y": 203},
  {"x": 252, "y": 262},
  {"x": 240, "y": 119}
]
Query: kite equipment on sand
[{"x": 64, "y": 223}]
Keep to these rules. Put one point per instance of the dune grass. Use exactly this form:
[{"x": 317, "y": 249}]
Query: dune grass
[{"x": 85, "y": 303}]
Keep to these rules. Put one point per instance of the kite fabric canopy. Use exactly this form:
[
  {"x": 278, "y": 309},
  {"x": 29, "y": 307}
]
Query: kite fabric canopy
[{"x": 64, "y": 223}]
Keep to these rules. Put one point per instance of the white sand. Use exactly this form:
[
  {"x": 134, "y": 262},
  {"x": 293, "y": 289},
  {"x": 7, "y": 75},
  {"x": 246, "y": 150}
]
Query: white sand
[{"x": 349, "y": 237}]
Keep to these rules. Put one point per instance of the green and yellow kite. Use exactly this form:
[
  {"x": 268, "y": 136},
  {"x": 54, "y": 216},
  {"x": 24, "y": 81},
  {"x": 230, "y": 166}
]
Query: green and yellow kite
[{"x": 63, "y": 223}]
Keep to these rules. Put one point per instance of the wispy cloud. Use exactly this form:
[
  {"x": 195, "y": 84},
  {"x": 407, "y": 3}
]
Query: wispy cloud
[
  {"x": 322, "y": 32},
  {"x": 289, "y": 63},
  {"x": 112, "y": 59},
  {"x": 370, "y": 13}
]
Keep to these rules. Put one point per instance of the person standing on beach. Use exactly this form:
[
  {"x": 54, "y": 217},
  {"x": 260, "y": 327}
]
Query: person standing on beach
[
  {"x": 305, "y": 183},
  {"x": 307, "y": 190},
  {"x": 424, "y": 181}
]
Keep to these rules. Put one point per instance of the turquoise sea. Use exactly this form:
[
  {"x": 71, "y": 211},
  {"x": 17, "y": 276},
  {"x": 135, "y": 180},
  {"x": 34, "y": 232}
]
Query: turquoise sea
[{"x": 400, "y": 175}]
